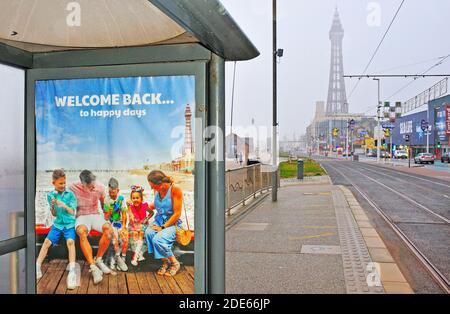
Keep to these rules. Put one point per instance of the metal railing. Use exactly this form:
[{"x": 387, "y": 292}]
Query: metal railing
[{"x": 246, "y": 183}]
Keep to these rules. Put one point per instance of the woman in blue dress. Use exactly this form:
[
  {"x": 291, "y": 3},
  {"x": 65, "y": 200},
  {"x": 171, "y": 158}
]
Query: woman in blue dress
[{"x": 161, "y": 235}]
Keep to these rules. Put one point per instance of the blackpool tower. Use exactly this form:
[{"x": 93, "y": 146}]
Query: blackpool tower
[
  {"x": 337, "y": 98},
  {"x": 188, "y": 144}
]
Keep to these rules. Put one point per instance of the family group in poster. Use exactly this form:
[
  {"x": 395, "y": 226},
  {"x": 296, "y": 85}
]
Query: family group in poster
[{"x": 112, "y": 174}]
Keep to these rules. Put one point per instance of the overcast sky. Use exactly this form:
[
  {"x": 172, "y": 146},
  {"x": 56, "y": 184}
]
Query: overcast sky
[{"x": 419, "y": 33}]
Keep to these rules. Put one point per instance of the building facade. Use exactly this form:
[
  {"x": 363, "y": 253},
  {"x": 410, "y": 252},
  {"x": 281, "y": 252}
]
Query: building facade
[
  {"x": 437, "y": 114},
  {"x": 411, "y": 124}
]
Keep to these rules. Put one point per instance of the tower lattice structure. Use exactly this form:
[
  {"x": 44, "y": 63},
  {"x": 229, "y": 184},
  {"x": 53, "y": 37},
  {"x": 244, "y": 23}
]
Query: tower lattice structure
[
  {"x": 188, "y": 143},
  {"x": 337, "y": 98}
]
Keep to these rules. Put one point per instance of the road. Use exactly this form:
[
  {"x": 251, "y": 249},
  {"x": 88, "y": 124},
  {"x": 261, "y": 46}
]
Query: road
[
  {"x": 438, "y": 165},
  {"x": 417, "y": 206}
]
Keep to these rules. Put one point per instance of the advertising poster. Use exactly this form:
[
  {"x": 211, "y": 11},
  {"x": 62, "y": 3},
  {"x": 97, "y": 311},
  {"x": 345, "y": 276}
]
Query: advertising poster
[
  {"x": 441, "y": 123},
  {"x": 447, "y": 119},
  {"x": 115, "y": 185}
]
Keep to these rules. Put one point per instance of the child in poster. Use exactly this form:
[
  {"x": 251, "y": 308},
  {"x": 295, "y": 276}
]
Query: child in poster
[
  {"x": 115, "y": 209},
  {"x": 62, "y": 205},
  {"x": 138, "y": 221}
]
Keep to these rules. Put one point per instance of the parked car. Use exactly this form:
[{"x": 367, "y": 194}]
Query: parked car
[
  {"x": 385, "y": 154},
  {"x": 445, "y": 158},
  {"x": 371, "y": 154},
  {"x": 424, "y": 158},
  {"x": 401, "y": 154}
]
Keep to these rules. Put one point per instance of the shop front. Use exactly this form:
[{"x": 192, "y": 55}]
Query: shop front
[{"x": 411, "y": 126}]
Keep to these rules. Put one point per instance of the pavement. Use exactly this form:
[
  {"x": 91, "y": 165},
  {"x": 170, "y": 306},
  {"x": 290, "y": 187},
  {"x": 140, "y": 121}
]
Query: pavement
[{"x": 315, "y": 239}]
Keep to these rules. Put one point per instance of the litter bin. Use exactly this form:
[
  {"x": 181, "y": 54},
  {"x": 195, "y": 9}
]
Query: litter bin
[
  {"x": 300, "y": 169},
  {"x": 355, "y": 157}
]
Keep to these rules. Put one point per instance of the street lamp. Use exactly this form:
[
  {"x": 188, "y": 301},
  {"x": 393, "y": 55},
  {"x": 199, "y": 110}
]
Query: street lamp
[{"x": 277, "y": 53}]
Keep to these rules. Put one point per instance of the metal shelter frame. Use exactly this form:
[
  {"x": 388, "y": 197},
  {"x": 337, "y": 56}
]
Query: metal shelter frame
[{"x": 220, "y": 40}]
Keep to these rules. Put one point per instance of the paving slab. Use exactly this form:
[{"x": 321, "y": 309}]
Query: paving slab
[
  {"x": 374, "y": 242},
  {"x": 397, "y": 288},
  {"x": 359, "y": 212},
  {"x": 390, "y": 272},
  {"x": 369, "y": 232},
  {"x": 361, "y": 218},
  {"x": 364, "y": 224},
  {"x": 381, "y": 255}
]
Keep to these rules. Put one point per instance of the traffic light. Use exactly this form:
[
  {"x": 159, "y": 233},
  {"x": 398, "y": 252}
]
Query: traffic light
[
  {"x": 335, "y": 132},
  {"x": 438, "y": 145}
]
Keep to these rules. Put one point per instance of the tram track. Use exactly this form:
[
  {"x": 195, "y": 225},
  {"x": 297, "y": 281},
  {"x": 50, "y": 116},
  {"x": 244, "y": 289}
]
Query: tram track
[
  {"x": 397, "y": 175},
  {"x": 431, "y": 268}
]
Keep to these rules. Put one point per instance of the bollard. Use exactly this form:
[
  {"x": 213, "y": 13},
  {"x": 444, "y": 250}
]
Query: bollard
[{"x": 300, "y": 169}]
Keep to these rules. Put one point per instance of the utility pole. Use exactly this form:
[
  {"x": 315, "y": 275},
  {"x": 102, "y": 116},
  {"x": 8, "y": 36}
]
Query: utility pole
[
  {"x": 352, "y": 135},
  {"x": 346, "y": 140},
  {"x": 275, "y": 123},
  {"x": 428, "y": 129},
  {"x": 409, "y": 153},
  {"x": 378, "y": 121},
  {"x": 392, "y": 148}
]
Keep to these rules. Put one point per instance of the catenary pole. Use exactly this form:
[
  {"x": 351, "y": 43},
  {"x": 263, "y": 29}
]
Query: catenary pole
[{"x": 275, "y": 123}]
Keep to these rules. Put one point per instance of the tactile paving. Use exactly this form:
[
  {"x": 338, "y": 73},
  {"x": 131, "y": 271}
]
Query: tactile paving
[{"x": 355, "y": 255}]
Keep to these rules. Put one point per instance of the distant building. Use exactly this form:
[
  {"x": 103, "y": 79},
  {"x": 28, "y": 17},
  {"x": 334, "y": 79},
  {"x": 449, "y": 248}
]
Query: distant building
[
  {"x": 235, "y": 144},
  {"x": 232, "y": 141},
  {"x": 294, "y": 145},
  {"x": 319, "y": 134},
  {"x": 269, "y": 144}
]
